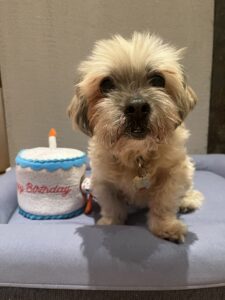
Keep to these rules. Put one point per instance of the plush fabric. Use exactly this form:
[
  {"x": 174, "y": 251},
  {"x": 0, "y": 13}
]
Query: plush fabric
[
  {"x": 77, "y": 254},
  {"x": 213, "y": 163},
  {"x": 43, "y": 193},
  {"x": 8, "y": 197},
  {"x": 48, "y": 182},
  {"x": 50, "y": 159}
]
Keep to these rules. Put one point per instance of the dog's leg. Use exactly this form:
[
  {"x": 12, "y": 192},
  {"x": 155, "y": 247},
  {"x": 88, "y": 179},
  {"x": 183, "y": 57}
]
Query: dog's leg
[
  {"x": 113, "y": 210},
  {"x": 191, "y": 201},
  {"x": 165, "y": 201}
]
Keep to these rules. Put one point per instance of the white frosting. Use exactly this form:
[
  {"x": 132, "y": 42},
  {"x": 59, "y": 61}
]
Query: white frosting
[{"x": 44, "y": 153}]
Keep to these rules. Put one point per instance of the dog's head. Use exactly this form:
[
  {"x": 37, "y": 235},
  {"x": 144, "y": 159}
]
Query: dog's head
[{"x": 131, "y": 90}]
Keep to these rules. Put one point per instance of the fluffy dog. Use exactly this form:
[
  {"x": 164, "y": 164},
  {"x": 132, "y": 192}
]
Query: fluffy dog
[{"x": 132, "y": 99}]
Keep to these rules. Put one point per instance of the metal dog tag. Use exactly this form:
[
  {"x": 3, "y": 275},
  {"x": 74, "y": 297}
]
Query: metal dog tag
[{"x": 141, "y": 183}]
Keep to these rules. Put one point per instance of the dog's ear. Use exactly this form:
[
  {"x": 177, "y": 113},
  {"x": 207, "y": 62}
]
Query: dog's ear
[
  {"x": 189, "y": 100},
  {"x": 78, "y": 112},
  {"x": 192, "y": 97},
  {"x": 182, "y": 94}
]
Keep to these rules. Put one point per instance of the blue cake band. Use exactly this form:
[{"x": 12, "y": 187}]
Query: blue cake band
[
  {"x": 51, "y": 165},
  {"x": 72, "y": 214}
]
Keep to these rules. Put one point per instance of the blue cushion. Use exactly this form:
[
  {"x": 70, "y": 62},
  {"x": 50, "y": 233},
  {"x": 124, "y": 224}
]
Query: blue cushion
[
  {"x": 8, "y": 197},
  {"x": 77, "y": 254}
]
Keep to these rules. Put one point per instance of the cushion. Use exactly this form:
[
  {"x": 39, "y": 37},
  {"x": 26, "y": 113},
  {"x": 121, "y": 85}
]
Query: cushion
[
  {"x": 78, "y": 254},
  {"x": 8, "y": 197}
]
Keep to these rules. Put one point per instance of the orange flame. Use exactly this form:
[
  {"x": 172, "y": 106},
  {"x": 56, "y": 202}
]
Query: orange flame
[{"x": 52, "y": 132}]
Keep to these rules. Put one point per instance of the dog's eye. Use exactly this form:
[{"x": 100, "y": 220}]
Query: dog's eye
[
  {"x": 107, "y": 85},
  {"x": 157, "y": 81}
]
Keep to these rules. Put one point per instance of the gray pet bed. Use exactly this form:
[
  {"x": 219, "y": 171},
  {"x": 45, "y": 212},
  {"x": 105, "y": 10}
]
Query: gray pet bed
[{"x": 77, "y": 254}]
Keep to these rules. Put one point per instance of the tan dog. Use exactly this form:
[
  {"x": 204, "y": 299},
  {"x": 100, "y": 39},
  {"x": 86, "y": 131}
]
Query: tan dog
[{"x": 131, "y": 100}]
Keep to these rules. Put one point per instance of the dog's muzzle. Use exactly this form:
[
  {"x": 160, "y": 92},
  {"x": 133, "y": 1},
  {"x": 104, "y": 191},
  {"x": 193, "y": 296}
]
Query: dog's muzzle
[{"x": 137, "y": 114}]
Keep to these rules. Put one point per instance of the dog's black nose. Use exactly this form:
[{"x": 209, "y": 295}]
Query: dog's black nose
[{"x": 137, "y": 109}]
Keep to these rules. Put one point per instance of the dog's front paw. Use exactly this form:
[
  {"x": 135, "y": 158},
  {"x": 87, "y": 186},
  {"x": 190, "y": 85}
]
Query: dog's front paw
[
  {"x": 191, "y": 201},
  {"x": 109, "y": 221},
  {"x": 173, "y": 231}
]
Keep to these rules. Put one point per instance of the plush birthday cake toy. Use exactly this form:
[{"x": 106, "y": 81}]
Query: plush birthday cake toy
[{"x": 48, "y": 181}]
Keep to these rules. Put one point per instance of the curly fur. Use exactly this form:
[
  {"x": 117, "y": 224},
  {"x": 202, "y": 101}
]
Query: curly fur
[{"x": 114, "y": 154}]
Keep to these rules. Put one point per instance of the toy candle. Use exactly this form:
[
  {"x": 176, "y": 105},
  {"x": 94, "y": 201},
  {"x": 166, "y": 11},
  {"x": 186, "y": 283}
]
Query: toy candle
[{"x": 52, "y": 138}]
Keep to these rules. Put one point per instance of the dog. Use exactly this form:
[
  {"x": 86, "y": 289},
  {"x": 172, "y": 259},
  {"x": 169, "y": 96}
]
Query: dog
[{"x": 131, "y": 100}]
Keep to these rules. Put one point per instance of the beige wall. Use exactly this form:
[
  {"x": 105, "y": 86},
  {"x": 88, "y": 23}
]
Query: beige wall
[
  {"x": 4, "y": 158},
  {"x": 43, "y": 41}
]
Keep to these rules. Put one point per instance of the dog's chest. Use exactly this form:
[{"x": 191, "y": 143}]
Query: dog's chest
[{"x": 134, "y": 188}]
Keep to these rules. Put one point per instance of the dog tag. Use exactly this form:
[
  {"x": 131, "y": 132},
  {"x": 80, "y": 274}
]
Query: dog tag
[{"x": 141, "y": 183}]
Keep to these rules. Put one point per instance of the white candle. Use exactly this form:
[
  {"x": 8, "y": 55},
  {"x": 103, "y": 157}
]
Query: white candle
[{"x": 52, "y": 139}]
